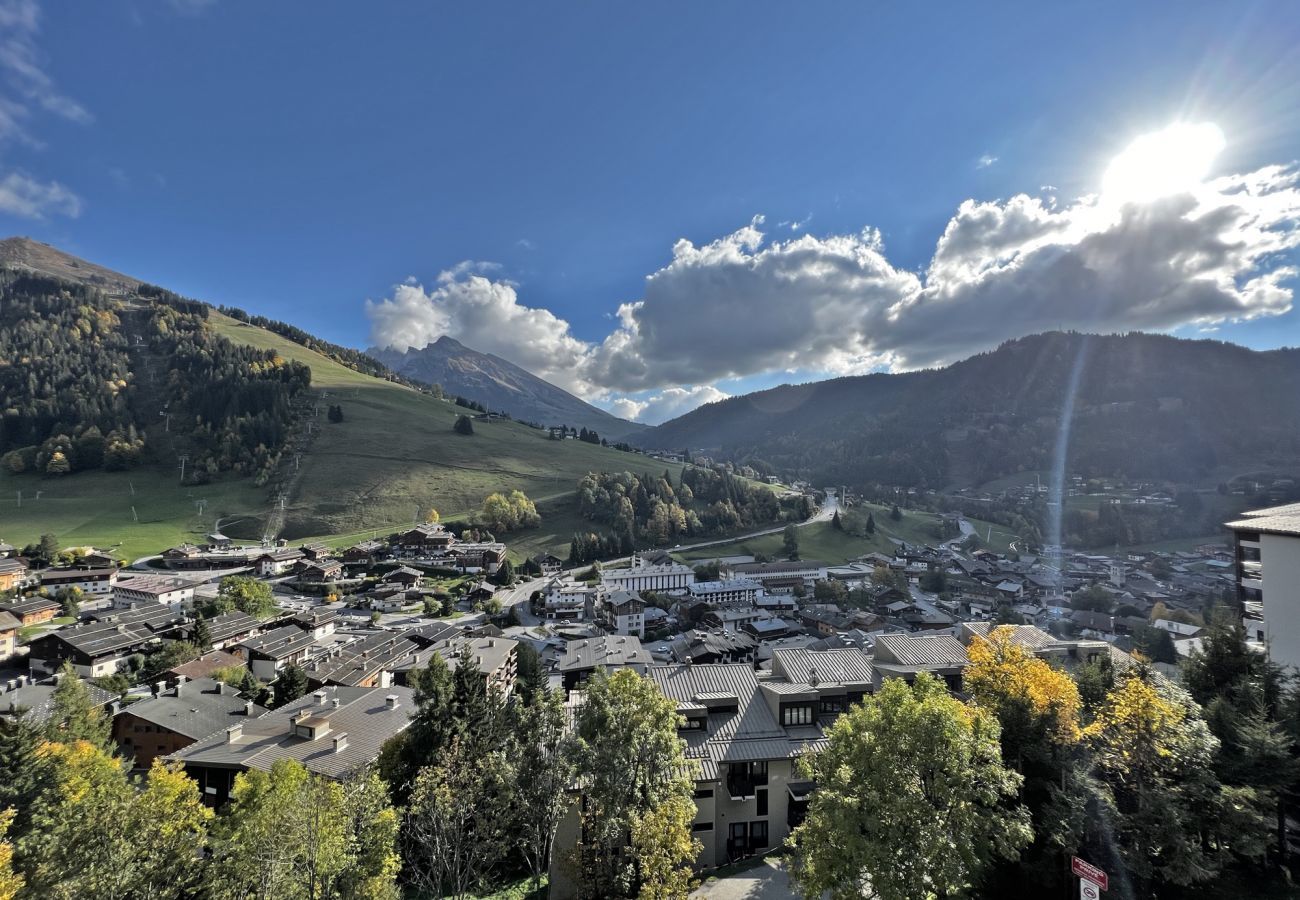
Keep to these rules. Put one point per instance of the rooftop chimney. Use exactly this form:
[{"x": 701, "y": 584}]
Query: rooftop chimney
[
  {"x": 390, "y": 702},
  {"x": 340, "y": 742},
  {"x": 321, "y": 696},
  {"x": 234, "y": 733},
  {"x": 248, "y": 708},
  {"x": 336, "y": 703}
]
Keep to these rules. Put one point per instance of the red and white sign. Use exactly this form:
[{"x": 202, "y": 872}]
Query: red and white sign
[
  {"x": 1088, "y": 872},
  {"x": 1088, "y": 890}
]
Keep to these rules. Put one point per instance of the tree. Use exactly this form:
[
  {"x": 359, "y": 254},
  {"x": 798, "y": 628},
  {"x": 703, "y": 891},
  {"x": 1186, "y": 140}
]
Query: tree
[
  {"x": 246, "y": 594},
  {"x": 1152, "y": 752},
  {"x": 289, "y": 835},
  {"x": 544, "y": 773},
  {"x": 895, "y": 514},
  {"x": 201, "y": 634},
  {"x": 70, "y": 602},
  {"x": 457, "y": 821},
  {"x": 835, "y": 521},
  {"x": 631, "y": 762},
  {"x": 790, "y": 542},
  {"x": 505, "y": 574},
  {"x": 871, "y": 524},
  {"x": 10, "y": 881},
  {"x": 58, "y": 464},
  {"x": 49, "y": 547},
  {"x": 464, "y": 425},
  {"x": 291, "y": 685},
  {"x": 1094, "y": 598},
  {"x": 503, "y": 512},
  {"x": 335, "y": 413},
  {"x": 73, "y": 717},
  {"x": 94, "y": 836},
  {"x": 912, "y": 798},
  {"x": 432, "y": 517}
]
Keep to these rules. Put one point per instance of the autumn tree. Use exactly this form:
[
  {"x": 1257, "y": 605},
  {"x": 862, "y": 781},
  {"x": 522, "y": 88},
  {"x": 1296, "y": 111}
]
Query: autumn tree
[
  {"x": 94, "y": 837},
  {"x": 1152, "y": 753},
  {"x": 1038, "y": 710},
  {"x": 10, "y": 881},
  {"x": 290, "y": 835},
  {"x": 635, "y": 779},
  {"x": 912, "y": 798},
  {"x": 790, "y": 542}
]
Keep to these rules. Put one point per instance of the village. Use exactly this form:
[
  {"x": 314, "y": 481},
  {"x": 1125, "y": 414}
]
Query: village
[{"x": 226, "y": 657}]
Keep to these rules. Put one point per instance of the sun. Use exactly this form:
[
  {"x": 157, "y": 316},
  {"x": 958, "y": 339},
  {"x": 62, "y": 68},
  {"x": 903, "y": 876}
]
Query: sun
[{"x": 1169, "y": 161}]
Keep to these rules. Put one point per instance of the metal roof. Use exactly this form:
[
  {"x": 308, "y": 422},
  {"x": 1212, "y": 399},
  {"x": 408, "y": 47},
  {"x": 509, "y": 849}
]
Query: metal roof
[
  {"x": 940, "y": 651},
  {"x": 37, "y": 700},
  {"x": 611, "y": 651},
  {"x": 832, "y": 667},
  {"x": 194, "y": 709},
  {"x": 279, "y": 643},
  {"x": 1277, "y": 523},
  {"x": 362, "y": 715}
]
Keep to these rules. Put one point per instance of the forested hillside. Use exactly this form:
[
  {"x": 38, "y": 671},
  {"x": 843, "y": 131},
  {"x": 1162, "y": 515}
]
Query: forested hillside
[
  {"x": 85, "y": 375},
  {"x": 1146, "y": 406}
]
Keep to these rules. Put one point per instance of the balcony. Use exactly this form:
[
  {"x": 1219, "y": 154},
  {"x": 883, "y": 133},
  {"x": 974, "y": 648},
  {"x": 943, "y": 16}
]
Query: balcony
[{"x": 743, "y": 787}]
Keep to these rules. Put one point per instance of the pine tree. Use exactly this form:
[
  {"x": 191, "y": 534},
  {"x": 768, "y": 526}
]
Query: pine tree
[
  {"x": 464, "y": 425},
  {"x": 201, "y": 635},
  {"x": 73, "y": 717}
]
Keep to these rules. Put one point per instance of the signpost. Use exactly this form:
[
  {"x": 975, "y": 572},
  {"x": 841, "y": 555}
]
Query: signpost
[{"x": 1092, "y": 880}]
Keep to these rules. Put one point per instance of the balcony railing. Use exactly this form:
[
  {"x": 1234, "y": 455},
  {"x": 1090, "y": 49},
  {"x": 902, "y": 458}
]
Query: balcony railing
[{"x": 743, "y": 787}]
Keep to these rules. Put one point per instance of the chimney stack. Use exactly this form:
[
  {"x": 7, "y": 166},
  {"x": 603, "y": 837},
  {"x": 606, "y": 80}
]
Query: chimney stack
[
  {"x": 234, "y": 733},
  {"x": 340, "y": 742},
  {"x": 390, "y": 702},
  {"x": 248, "y": 708}
]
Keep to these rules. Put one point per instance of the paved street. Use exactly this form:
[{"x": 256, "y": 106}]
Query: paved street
[{"x": 768, "y": 880}]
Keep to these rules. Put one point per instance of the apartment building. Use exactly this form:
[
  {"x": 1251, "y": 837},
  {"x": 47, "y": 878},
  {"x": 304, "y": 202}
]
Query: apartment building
[
  {"x": 643, "y": 576},
  {"x": 1266, "y": 545}
]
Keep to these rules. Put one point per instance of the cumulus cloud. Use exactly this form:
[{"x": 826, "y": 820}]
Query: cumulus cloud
[
  {"x": 743, "y": 305},
  {"x": 25, "y": 196},
  {"x": 666, "y": 404},
  {"x": 486, "y": 315},
  {"x": 985, "y": 161}
]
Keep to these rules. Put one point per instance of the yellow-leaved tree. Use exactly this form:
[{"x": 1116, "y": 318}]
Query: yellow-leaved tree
[{"x": 1028, "y": 695}]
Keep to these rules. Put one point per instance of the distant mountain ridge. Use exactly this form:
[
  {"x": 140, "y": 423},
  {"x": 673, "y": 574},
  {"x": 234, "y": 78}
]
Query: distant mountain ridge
[
  {"x": 1147, "y": 406},
  {"x": 25, "y": 253},
  {"x": 500, "y": 385}
]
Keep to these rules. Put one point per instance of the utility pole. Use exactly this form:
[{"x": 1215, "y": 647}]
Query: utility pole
[{"x": 184, "y": 460}]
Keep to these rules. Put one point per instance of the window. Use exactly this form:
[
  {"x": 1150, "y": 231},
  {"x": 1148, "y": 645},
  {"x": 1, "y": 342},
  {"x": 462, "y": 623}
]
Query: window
[
  {"x": 757, "y": 834},
  {"x": 702, "y": 826},
  {"x": 761, "y": 794},
  {"x": 703, "y": 793},
  {"x": 797, "y": 715},
  {"x": 835, "y": 704}
]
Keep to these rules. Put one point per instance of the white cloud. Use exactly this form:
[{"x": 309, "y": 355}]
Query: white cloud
[
  {"x": 742, "y": 305},
  {"x": 985, "y": 161},
  {"x": 487, "y": 316},
  {"x": 22, "y": 65},
  {"x": 26, "y": 88},
  {"x": 22, "y": 195},
  {"x": 667, "y": 404}
]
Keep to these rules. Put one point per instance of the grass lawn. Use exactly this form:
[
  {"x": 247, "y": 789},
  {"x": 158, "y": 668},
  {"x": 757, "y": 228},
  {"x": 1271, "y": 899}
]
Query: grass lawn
[
  {"x": 393, "y": 458},
  {"x": 28, "y": 631},
  {"x": 95, "y": 508}
]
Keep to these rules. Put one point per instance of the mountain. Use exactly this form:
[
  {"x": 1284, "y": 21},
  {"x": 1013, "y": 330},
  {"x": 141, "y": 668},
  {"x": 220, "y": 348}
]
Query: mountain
[
  {"x": 23, "y": 253},
  {"x": 118, "y": 384},
  {"x": 1146, "y": 406},
  {"x": 500, "y": 385}
]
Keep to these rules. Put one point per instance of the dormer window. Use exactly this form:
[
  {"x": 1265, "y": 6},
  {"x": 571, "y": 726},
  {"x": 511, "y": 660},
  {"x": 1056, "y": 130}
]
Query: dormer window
[{"x": 797, "y": 714}]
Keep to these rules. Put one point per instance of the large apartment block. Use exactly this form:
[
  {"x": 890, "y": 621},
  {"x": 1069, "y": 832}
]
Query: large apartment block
[{"x": 1267, "y": 553}]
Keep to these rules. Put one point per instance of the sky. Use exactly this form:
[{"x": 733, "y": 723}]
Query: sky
[{"x": 659, "y": 205}]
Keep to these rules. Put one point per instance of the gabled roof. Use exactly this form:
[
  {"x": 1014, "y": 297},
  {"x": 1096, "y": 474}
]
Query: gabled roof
[
  {"x": 37, "y": 700},
  {"x": 116, "y": 630},
  {"x": 279, "y": 643}
]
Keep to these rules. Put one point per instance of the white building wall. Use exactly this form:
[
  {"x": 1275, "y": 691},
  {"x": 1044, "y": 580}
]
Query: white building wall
[{"x": 1280, "y": 564}]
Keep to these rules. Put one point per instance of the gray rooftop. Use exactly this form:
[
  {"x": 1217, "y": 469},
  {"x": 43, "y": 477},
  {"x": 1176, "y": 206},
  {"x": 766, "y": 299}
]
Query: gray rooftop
[
  {"x": 279, "y": 643},
  {"x": 832, "y": 667},
  {"x": 194, "y": 709},
  {"x": 922, "y": 651},
  {"x": 37, "y": 699},
  {"x": 362, "y": 715},
  {"x": 611, "y": 651}
]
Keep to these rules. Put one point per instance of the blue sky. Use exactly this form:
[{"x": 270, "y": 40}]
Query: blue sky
[{"x": 298, "y": 159}]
